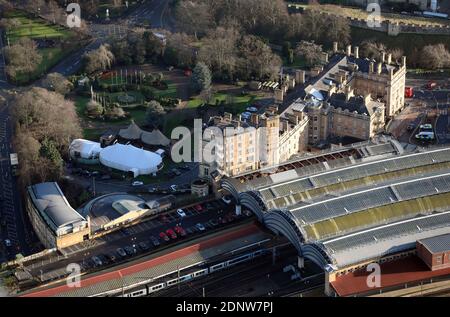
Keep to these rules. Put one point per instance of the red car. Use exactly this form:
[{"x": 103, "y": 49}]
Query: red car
[
  {"x": 180, "y": 231},
  {"x": 409, "y": 92},
  {"x": 171, "y": 233},
  {"x": 164, "y": 237},
  {"x": 198, "y": 207}
]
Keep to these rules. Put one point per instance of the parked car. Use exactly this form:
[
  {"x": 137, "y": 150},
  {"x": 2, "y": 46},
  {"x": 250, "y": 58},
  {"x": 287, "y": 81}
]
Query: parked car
[
  {"x": 143, "y": 246},
  {"x": 164, "y": 237},
  {"x": 8, "y": 243},
  {"x": 97, "y": 261},
  {"x": 181, "y": 213},
  {"x": 247, "y": 212},
  {"x": 163, "y": 218},
  {"x": 137, "y": 183},
  {"x": 222, "y": 220},
  {"x": 171, "y": 234},
  {"x": 105, "y": 177},
  {"x": 214, "y": 222},
  {"x": 189, "y": 231},
  {"x": 130, "y": 250},
  {"x": 200, "y": 227},
  {"x": 198, "y": 207},
  {"x": 111, "y": 257},
  {"x": 176, "y": 172},
  {"x": 179, "y": 230},
  {"x": 154, "y": 241},
  {"x": 173, "y": 188},
  {"x": 121, "y": 252}
]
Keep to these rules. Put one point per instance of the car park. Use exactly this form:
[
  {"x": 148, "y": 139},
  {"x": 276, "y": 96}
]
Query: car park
[
  {"x": 164, "y": 237},
  {"x": 143, "y": 246},
  {"x": 121, "y": 252},
  {"x": 154, "y": 241},
  {"x": 200, "y": 227},
  {"x": 181, "y": 213}
]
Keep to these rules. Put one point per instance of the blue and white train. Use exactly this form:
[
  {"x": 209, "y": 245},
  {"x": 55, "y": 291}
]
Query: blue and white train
[{"x": 152, "y": 288}]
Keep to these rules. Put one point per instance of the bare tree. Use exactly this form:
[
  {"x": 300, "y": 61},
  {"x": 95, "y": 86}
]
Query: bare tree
[
  {"x": 311, "y": 52},
  {"x": 435, "y": 56},
  {"x": 58, "y": 83},
  {"x": 22, "y": 57},
  {"x": 99, "y": 59}
]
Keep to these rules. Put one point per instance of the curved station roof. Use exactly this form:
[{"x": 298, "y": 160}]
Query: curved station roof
[{"x": 376, "y": 201}]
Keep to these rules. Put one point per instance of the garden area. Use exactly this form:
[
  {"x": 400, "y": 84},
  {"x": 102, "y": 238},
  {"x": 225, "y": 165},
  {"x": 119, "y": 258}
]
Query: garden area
[
  {"x": 118, "y": 97},
  {"x": 52, "y": 42}
]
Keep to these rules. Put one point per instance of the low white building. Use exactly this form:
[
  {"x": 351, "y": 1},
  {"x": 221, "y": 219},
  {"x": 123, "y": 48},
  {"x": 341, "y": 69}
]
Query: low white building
[{"x": 126, "y": 158}]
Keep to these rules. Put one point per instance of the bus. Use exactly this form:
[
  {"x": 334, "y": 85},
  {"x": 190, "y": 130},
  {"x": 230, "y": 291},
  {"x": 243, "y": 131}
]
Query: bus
[
  {"x": 14, "y": 163},
  {"x": 425, "y": 132}
]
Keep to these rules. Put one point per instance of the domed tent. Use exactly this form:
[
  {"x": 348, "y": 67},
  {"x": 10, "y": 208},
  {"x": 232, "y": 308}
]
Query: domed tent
[
  {"x": 155, "y": 137},
  {"x": 133, "y": 132},
  {"x": 128, "y": 158}
]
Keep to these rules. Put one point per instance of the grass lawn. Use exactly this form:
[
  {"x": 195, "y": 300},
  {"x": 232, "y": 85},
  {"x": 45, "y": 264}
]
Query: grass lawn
[
  {"x": 298, "y": 62},
  {"x": 236, "y": 104},
  {"x": 36, "y": 28}
]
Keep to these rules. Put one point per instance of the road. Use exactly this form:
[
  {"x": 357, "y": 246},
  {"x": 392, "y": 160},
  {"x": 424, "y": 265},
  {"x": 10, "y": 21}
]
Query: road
[
  {"x": 114, "y": 185},
  {"x": 154, "y": 12}
]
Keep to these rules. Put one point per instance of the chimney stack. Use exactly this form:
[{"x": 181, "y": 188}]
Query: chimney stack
[
  {"x": 403, "y": 61},
  {"x": 389, "y": 59},
  {"x": 255, "y": 119},
  {"x": 383, "y": 57},
  {"x": 349, "y": 50},
  {"x": 356, "y": 51},
  {"x": 379, "y": 68},
  {"x": 335, "y": 47},
  {"x": 371, "y": 67}
]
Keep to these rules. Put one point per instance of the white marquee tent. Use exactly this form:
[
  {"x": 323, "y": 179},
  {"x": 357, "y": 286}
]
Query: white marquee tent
[{"x": 128, "y": 158}]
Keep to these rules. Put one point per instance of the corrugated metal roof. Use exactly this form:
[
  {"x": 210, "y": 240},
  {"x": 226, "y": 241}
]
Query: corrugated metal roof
[
  {"x": 437, "y": 244},
  {"x": 50, "y": 200}
]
